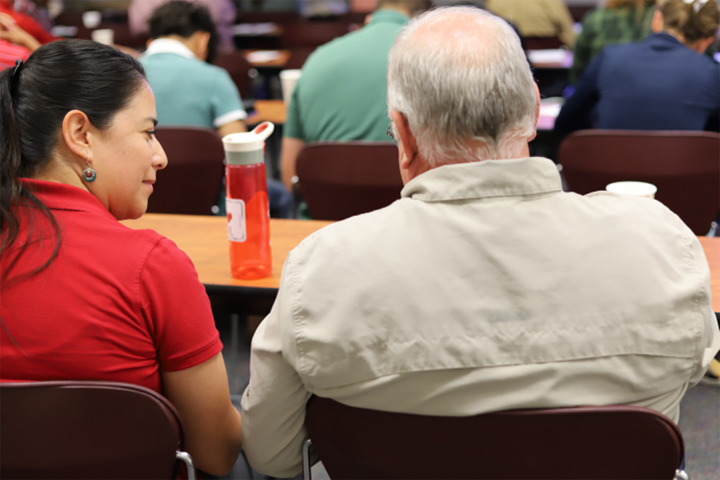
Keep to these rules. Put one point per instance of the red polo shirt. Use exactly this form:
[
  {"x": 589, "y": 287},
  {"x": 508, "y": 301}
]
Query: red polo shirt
[{"x": 115, "y": 304}]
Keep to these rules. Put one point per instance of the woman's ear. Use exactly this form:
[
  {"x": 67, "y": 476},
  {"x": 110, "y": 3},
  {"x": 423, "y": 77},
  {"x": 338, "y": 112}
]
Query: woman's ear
[{"x": 75, "y": 128}]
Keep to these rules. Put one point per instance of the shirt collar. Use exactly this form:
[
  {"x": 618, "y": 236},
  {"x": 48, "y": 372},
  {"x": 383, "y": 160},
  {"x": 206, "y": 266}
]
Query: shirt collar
[
  {"x": 389, "y": 16},
  {"x": 168, "y": 45},
  {"x": 663, "y": 39},
  {"x": 485, "y": 179},
  {"x": 59, "y": 196}
]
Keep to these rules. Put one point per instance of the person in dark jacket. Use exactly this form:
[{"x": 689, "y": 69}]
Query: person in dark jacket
[{"x": 663, "y": 83}]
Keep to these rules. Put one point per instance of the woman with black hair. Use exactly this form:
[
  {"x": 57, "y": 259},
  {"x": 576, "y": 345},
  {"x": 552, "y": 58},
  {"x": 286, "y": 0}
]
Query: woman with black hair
[{"x": 84, "y": 297}]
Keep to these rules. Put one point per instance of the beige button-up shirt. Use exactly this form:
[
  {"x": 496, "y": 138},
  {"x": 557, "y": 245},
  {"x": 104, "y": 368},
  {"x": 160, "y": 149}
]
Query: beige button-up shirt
[
  {"x": 537, "y": 18},
  {"x": 484, "y": 288}
]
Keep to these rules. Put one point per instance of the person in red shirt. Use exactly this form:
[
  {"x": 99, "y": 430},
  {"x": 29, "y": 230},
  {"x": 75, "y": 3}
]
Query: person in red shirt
[
  {"x": 27, "y": 23},
  {"x": 83, "y": 296},
  {"x": 15, "y": 43}
]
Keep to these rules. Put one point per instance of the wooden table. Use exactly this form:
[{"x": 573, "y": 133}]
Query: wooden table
[
  {"x": 274, "y": 111},
  {"x": 712, "y": 252},
  {"x": 204, "y": 239}
]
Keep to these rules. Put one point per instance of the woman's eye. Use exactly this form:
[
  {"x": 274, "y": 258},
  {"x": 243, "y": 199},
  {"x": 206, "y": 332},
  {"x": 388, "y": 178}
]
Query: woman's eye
[{"x": 151, "y": 133}]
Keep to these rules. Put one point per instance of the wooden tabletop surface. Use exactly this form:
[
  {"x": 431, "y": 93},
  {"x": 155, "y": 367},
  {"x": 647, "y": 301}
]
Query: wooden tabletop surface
[
  {"x": 274, "y": 111},
  {"x": 204, "y": 239}
]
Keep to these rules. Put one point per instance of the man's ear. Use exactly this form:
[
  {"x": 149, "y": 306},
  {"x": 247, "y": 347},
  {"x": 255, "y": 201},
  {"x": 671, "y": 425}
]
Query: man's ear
[
  {"x": 407, "y": 143},
  {"x": 537, "y": 112},
  {"x": 200, "y": 42},
  {"x": 75, "y": 128}
]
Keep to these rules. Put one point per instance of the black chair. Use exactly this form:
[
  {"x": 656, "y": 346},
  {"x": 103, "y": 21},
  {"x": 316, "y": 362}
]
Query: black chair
[
  {"x": 89, "y": 430},
  {"x": 342, "y": 179},
  {"x": 684, "y": 166},
  {"x": 191, "y": 182},
  {"x": 579, "y": 443}
]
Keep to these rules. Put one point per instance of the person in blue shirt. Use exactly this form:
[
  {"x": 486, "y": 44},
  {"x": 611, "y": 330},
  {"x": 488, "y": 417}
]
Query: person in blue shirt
[
  {"x": 188, "y": 89},
  {"x": 663, "y": 83}
]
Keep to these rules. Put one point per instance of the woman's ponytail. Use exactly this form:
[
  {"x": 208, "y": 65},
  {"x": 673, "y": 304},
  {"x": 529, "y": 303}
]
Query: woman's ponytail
[{"x": 10, "y": 159}]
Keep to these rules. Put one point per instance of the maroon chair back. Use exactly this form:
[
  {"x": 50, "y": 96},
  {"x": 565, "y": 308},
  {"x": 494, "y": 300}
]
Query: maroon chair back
[
  {"x": 238, "y": 67},
  {"x": 312, "y": 34},
  {"x": 191, "y": 182},
  {"x": 540, "y": 43},
  {"x": 684, "y": 166},
  {"x": 613, "y": 442},
  {"x": 84, "y": 430},
  {"x": 298, "y": 57},
  {"x": 342, "y": 179}
]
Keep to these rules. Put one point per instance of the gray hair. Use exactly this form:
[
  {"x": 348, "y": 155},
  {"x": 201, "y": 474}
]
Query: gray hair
[{"x": 467, "y": 99}]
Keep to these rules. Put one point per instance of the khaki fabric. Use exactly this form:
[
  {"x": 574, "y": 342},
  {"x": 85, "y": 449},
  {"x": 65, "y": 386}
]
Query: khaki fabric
[
  {"x": 537, "y": 18},
  {"x": 484, "y": 288}
]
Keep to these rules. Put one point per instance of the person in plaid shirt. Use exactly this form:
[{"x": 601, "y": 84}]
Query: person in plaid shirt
[{"x": 623, "y": 21}]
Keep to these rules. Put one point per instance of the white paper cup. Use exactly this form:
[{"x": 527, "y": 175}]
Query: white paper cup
[
  {"x": 106, "y": 36},
  {"x": 635, "y": 189},
  {"x": 91, "y": 19},
  {"x": 288, "y": 79}
]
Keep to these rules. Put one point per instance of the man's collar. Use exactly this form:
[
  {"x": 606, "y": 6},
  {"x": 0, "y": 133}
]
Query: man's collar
[
  {"x": 168, "y": 45},
  {"x": 485, "y": 179},
  {"x": 388, "y": 15}
]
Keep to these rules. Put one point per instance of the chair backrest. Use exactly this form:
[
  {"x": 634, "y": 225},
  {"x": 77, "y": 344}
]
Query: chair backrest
[
  {"x": 311, "y": 34},
  {"x": 79, "y": 429},
  {"x": 342, "y": 179},
  {"x": 238, "y": 67},
  {"x": 684, "y": 166},
  {"x": 611, "y": 442},
  {"x": 191, "y": 182}
]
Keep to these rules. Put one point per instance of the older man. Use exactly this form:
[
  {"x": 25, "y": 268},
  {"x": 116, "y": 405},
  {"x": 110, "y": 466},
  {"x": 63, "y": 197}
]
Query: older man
[{"x": 485, "y": 287}]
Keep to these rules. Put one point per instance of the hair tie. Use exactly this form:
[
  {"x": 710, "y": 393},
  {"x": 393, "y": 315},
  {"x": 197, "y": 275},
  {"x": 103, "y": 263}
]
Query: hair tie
[
  {"x": 697, "y": 4},
  {"x": 18, "y": 65}
]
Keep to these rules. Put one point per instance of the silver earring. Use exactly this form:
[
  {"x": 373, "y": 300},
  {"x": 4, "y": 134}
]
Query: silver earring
[{"x": 89, "y": 175}]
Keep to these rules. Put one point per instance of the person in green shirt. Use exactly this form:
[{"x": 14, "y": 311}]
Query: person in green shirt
[
  {"x": 341, "y": 94},
  {"x": 622, "y": 21}
]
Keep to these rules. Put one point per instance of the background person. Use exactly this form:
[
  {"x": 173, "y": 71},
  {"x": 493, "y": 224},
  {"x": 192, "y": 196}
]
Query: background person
[
  {"x": 190, "y": 91},
  {"x": 83, "y": 296},
  {"x": 15, "y": 43},
  {"x": 442, "y": 304},
  {"x": 222, "y": 12},
  {"x": 341, "y": 94},
  {"x": 537, "y": 18},
  {"x": 621, "y": 21},
  {"x": 663, "y": 83}
]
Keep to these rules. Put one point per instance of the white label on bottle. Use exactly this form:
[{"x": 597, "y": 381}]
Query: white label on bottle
[{"x": 237, "y": 231}]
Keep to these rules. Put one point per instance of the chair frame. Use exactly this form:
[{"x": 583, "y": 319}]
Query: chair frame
[
  {"x": 673, "y": 432},
  {"x": 684, "y": 165},
  {"x": 164, "y": 406}
]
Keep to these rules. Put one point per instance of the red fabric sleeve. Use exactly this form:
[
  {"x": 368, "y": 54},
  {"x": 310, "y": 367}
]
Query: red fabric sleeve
[
  {"x": 176, "y": 309},
  {"x": 27, "y": 23}
]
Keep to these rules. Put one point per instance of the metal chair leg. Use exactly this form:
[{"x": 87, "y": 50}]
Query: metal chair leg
[
  {"x": 188, "y": 461},
  {"x": 307, "y": 472}
]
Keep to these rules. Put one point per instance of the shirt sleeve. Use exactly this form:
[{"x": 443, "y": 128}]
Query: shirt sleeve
[
  {"x": 225, "y": 100},
  {"x": 293, "y": 125},
  {"x": 564, "y": 20},
  {"x": 177, "y": 309},
  {"x": 273, "y": 405},
  {"x": 577, "y": 111}
]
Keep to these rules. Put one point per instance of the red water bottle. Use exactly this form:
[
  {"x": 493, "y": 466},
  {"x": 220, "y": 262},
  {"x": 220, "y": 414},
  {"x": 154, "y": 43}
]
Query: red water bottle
[{"x": 246, "y": 201}]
